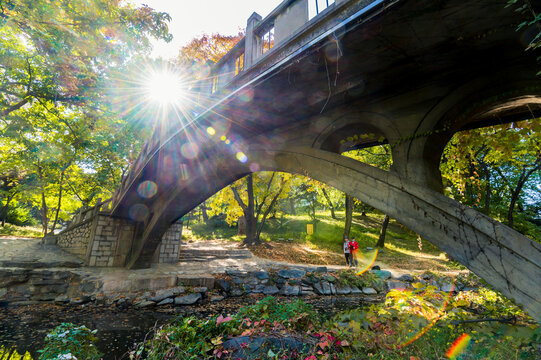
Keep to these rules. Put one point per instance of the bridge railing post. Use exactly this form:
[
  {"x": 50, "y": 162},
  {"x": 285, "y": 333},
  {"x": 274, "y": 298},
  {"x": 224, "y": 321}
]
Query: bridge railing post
[{"x": 252, "y": 43}]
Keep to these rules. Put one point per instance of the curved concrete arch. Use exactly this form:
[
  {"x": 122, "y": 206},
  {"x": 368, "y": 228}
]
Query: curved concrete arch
[
  {"x": 490, "y": 249},
  {"x": 481, "y": 102},
  {"x": 367, "y": 121}
]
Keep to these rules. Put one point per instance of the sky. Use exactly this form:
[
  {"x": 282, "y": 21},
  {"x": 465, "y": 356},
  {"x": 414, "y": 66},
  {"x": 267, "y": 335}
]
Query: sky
[{"x": 191, "y": 18}]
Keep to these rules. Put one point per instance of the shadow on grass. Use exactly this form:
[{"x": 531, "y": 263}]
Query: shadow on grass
[{"x": 402, "y": 247}]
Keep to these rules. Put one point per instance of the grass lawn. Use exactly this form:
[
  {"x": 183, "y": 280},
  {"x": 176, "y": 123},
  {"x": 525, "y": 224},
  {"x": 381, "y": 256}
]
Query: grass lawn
[
  {"x": 285, "y": 239},
  {"x": 20, "y": 231}
]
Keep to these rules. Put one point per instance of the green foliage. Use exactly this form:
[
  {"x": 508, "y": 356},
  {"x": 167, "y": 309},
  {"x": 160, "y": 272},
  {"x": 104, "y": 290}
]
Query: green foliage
[
  {"x": 531, "y": 20},
  {"x": 366, "y": 279},
  {"x": 12, "y": 354},
  {"x": 421, "y": 323},
  {"x": 61, "y": 144},
  {"x": 69, "y": 341},
  {"x": 191, "y": 338},
  {"x": 497, "y": 170},
  {"x": 271, "y": 310}
]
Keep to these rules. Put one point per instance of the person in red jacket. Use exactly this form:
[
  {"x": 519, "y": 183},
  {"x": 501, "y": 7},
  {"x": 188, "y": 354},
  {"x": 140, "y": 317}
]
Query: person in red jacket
[{"x": 353, "y": 247}]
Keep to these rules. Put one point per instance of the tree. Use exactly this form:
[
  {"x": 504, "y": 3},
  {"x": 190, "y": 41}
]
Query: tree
[
  {"x": 252, "y": 197},
  {"x": 56, "y": 60},
  {"x": 63, "y": 51},
  {"x": 208, "y": 47},
  {"x": 495, "y": 168}
]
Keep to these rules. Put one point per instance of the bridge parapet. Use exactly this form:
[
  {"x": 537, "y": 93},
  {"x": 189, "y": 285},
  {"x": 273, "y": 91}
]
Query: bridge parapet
[{"x": 292, "y": 22}]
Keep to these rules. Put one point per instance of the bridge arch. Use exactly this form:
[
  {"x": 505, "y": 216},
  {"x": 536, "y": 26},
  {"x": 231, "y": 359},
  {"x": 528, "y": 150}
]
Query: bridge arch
[
  {"x": 354, "y": 123},
  {"x": 479, "y": 103},
  {"x": 490, "y": 249}
]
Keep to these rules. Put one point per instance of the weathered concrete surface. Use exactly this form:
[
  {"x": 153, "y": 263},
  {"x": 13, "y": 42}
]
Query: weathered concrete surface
[{"x": 503, "y": 257}]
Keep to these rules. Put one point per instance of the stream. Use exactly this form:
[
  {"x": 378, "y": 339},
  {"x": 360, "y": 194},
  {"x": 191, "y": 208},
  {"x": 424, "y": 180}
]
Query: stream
[{"x": 119, "y": 328}]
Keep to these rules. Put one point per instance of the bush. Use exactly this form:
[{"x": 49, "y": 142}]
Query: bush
[{"x": 69, "y": 341}]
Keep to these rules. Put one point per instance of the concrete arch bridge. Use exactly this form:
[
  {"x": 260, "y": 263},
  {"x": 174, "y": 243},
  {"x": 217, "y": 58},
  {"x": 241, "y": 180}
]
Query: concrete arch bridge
[{"x": 301, "y": 88}]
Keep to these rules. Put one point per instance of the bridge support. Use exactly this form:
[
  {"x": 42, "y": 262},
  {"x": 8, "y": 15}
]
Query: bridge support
[{"x": 507, "y": 260}]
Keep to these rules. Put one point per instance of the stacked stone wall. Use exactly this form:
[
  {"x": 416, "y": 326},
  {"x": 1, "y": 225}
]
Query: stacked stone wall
[
  {"x": 168, "y": 250},
  {"x": 105, "y": 242},
  {"x": 98, "y": 241},
  {"x": 76, "y": 240}
]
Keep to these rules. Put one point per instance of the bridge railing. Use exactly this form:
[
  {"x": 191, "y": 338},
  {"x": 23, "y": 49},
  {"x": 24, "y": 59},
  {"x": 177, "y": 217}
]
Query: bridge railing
[
  {"x": 86, "y": 214},
  {"x": 264, "y": 35}
]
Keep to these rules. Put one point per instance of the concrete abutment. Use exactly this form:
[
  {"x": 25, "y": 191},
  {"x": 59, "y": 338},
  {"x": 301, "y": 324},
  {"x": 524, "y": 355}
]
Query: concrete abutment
[{"x": 105, "y": 241}]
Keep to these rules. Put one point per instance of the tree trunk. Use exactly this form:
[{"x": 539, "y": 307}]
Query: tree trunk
[
  {"x": 381, "y": 240},
  {"x": 292, "y": 206},
  {"x": 329, "y": 202},
  {"x": 204, "y": 212},
  {"x": 249, "y": 213},
  {"x": 522, "y": 180},
  {"x": 241, "y": 226},
  {"x": 349, "y": 215},
  {"x": 487, "y": 195},
  {"x": 269, "y": 209},
  {"x": 5, "y": 209},
  {"x": 44, "y": 219},
  {"x": 59, "y": 205}
]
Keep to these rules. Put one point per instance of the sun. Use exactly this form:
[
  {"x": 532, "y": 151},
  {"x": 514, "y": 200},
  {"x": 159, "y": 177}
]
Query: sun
[{"x": 166, "y": 87}]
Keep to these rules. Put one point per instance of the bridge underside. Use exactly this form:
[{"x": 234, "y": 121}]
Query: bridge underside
[{"x": 412, "y": 73}]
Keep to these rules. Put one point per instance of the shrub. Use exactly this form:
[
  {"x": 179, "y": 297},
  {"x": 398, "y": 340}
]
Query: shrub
[{"x": 69, "y": 341}]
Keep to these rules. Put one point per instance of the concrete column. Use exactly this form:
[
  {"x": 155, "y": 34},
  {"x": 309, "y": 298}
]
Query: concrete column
[
  {"x": 252, "y": 43},
  {"x": 418, "y": 160}
]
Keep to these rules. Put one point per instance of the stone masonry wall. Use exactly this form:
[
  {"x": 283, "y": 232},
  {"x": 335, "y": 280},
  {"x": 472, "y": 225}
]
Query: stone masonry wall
[
  {"x": 104, "y": 246},
  {"x": 105, "y": 249},
  {"x": 168, "y": 250},
  {"x": 75, "y": 241}
]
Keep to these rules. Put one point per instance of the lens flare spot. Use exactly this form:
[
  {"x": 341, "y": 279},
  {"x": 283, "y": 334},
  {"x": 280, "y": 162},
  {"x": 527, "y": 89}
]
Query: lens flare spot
[
  {"x": 211, "y": 131},
  {"x": 223, "y": 138},
  {"x": 365, "y": 260},
  {"x": 458, "y": 346},
  {"x": 138, "y": 212},
  {"x": 189, "y": 150},
  {"x": 147, "y": 189},
  {"x": 247, "y": 95},
  {"x": 333, "y": 51},
  {"x": 242, "y": 157},
  {"x": 184, "y": 174},
  {"x": 228, "y": 141},
  {"x": 254, "y": 167}
]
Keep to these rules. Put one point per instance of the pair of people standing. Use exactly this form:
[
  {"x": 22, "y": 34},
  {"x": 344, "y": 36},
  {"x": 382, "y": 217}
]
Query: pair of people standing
[{"x": 350, "y": 251}]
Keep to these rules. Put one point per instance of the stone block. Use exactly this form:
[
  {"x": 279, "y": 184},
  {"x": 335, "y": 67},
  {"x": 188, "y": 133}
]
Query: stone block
[
  {"x": 291, "y": 273},
  {"x": 92, "y": 261},
  {"x": 290, "y": 290},
  {"x": 188, "y": 299},
  {"x": 270, "y": 290},
  {"x": 166, "y": 301},
  {"x": 397, "y": 285},
  {"x": 167, "y": 293}
]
